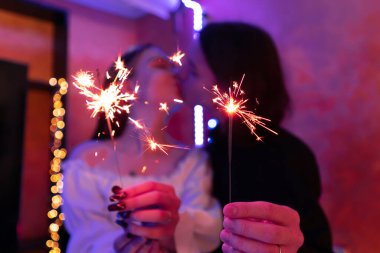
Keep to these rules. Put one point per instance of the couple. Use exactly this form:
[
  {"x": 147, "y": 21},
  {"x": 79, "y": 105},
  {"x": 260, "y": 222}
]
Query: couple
[{"x": 171, "y": 207}]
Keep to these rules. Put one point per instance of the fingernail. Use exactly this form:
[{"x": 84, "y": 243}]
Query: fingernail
[
  {"x": 116, "y": 207},
  {"x": 118, "y": 196},
  {"x": 224, "y": 236},
  {"x": 129, "y": 235},
  {"x": 116, "y": 189},
  {"x": 226, "y": 248},
  {"x": 226, "y": 222},
  {"x": 122, "y": 223},
  {"x": 123, "y": 215}
]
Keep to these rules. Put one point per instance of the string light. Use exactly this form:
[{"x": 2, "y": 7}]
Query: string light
[
  {"x": 198, "y": 15},
  {"x": 198, "y": 126},
  {"x": 57, "y": 125}
]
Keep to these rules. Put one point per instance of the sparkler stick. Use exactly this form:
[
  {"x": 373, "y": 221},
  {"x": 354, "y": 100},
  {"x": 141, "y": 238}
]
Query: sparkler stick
[
  {"x": 230, "y": 157},
  {"x": 233, "y": 103}
]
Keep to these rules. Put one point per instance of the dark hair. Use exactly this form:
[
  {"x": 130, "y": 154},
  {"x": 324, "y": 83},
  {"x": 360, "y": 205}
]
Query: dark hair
[
  {"x": 233, "y": 49},
  {"x": 102, "y": 131}
]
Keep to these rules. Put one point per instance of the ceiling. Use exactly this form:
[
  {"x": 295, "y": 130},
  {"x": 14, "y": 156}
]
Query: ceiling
[{"x": 133, "y": 8}]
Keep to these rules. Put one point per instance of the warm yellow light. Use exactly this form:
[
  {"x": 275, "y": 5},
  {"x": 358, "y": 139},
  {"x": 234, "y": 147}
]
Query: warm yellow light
[
  {"x": 62, "y": 153},
  {"x": 57, "y": 104},
  {"x": 55, "y": 168},
  {"x": 58, "y": 135},
  {"x": 60, "y": 124},
  {"x": 61, "y": 81},
  {"x": 57, "y": 124},
  {"x": 54, "y": 227},
  {"x": 55, "y": 248},
  {"x": 63, "y": 91},
  {"x": 52, "y": 214},
  {"x": 53, "y": 81},
  {"x": 54, "y": 121},
  {"x": 54, "y": 189},
  {"x": 64, "y": 85},
  {"x": 56, "y": 200},
  {"x": 56, "y": 152},
  {"x": 55, "y": 236},
  {"x": 61, "y": 216},
  {"x": 49, "y": 243},
  {"x": 57, "y": 97}
]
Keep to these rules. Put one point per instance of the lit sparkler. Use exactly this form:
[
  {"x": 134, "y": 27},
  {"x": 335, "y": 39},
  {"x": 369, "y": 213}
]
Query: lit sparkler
[
  {"x": 111, "y": 100},
  {"x": 233, "y": 103},
  {"x": 177, "y": 57}
]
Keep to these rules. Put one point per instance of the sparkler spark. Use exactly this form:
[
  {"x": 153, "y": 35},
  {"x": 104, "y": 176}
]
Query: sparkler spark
[
  {"x": 111, "y": 100},
  {"x": 136, "y": 123},
  {"x": 177, "y": 56},
  {"x": 233, "y": 103},
  {"x": 180, "y": 101},
  {"x": 164, "y": 107},
  {"x": 153, "y": 145}
]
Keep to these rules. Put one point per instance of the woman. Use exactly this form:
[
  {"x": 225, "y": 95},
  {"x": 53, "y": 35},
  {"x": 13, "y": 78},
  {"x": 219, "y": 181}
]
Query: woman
[
  {"x": 167, "y": 206},
  {"x": 275, "y": 182}
]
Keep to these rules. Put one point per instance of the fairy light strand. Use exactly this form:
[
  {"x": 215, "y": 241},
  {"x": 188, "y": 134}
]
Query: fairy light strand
[{"x": 57, "y": 125}]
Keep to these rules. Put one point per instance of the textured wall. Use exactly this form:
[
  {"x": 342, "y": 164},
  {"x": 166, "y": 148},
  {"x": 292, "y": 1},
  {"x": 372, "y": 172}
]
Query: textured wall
[{"x": 331, "y": 53}]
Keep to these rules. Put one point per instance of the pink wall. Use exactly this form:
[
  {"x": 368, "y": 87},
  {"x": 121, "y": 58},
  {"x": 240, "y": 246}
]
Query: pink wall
[
  {"x": 95, "y": 41},
  {"x": 331, "y": 54}
]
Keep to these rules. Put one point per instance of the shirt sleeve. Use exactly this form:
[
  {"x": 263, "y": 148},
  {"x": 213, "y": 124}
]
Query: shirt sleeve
[
  {"x": 90, "y": 227},
  {"x": 200, "y": 214}
]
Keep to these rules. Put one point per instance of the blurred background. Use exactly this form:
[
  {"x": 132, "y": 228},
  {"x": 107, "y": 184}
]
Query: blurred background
[{"x": 330, "y": 51}]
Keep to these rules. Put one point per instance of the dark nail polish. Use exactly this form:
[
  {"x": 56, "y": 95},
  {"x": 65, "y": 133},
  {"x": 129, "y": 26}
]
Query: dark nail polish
[
  {"x": 122, "y": 223},
  {"x": 116, "y": 189},
  {"x": 113, "y": 199},
  {"x": 118, "y": 196},
  {"x": 116, "y": 207},
  {"x": 129, "y": 235},
  {"x": 123, "y": 215}
]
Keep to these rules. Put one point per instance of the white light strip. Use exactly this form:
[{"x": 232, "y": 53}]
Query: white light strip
[
  {"x": 198, "y": 125},
  {"x": 198, "y": 14}
]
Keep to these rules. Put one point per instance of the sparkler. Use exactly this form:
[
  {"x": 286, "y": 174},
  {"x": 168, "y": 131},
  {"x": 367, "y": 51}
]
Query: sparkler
[
  {"x": 110, "y": 100},
  {"x": 234, "y": 103},
  {"x": 177, "y": 57}
]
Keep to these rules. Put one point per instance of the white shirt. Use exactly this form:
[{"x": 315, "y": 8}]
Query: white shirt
[{"x": 93, "y": 229}]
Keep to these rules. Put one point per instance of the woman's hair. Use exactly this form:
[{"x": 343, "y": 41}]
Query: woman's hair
[
  {"x": 234, "y": 49},
  {"x": 129, "y": 58}
]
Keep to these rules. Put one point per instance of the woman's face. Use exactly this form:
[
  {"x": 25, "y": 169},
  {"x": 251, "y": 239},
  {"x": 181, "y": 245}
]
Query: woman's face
[
  {"x": 156, "y": 76},
  {"x": 197, "y": 76}
]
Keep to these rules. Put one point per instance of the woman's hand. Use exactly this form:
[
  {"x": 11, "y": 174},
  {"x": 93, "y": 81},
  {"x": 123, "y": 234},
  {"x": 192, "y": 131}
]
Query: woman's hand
[
  {"x": 154, "y": 211},
  {"x": 134, "y": 244},
  {"x": 260, "y": 227}
]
